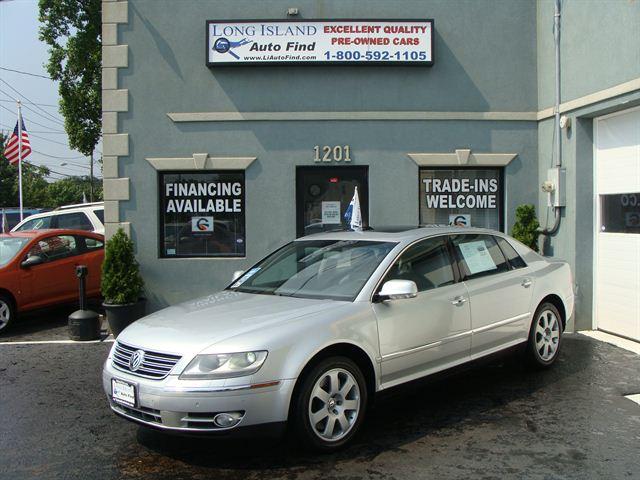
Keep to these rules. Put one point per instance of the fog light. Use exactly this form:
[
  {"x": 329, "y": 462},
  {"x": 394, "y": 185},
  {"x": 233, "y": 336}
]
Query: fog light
[{"x": 226, "y": 420}]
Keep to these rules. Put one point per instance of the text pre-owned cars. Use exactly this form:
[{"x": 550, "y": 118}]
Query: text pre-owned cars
[{"x": 310, "y": 334}]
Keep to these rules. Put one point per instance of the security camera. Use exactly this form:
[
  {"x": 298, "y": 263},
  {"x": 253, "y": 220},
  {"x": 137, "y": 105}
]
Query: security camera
[{"x": 547, "y": 186}]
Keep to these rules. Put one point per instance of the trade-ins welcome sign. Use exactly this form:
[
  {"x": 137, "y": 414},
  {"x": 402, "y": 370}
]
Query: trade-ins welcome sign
[{"x": 320, "y": 42}]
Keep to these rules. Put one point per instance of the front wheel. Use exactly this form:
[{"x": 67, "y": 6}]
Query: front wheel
[
  {"x": 545, "y": 336},
  {"x": 331, "y": 404},
  {"x": 7, "y": 312}
]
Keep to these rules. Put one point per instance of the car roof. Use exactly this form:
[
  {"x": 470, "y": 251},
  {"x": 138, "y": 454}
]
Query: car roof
[
  {"x": 50, "y": 231},
  {"x": 397, "y": 234}
]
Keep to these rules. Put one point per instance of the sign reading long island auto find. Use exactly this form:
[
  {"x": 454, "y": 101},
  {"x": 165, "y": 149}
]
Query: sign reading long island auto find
[{"x": 320, "y": 41}]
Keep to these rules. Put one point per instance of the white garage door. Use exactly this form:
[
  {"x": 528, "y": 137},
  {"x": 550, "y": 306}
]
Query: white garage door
[{"x": 617, "y": 186}]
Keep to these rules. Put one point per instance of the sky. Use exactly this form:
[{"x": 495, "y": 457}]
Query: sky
[{"x": 21, "y": 50}]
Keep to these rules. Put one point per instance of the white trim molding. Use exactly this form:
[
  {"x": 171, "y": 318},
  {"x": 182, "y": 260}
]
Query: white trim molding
[
  {"x": 462, "y": 157},
  {"x": 201, "y": 161}
]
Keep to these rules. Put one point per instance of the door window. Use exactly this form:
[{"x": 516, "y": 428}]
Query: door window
[
  {"x": 75, "y": 221},
  {"x": 324, "y": 194},
  {"x": 620, "y": 213},
  {"x": 478, "y": 255},
  {"x": 55, "y": 248},
  {"x": 427, "y": 263}
]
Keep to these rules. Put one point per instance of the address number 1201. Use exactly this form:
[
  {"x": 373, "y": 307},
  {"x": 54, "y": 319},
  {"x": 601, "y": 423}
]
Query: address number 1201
[{"x": 326, "y": 153}]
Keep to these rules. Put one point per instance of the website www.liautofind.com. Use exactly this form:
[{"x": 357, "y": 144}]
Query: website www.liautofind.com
[{"x": 284, "y": 57}]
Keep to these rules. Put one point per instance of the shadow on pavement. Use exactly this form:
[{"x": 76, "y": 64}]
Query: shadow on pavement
[{"x": 413, "y": 413}]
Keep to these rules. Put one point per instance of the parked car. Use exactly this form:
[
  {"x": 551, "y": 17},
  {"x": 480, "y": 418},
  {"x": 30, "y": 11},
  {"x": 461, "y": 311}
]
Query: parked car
[
  {"x": 37, "y": 269},
  {"x": 85, "y": 216},
  {"x": 13, "y": 216},
  {"x": 313, "y": 332}
]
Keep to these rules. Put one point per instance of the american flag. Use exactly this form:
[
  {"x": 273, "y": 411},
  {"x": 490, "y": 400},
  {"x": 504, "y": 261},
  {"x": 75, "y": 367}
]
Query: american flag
[{"x": 12, "y": 148}]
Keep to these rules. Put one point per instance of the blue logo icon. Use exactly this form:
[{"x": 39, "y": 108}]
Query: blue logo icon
[{"x": 223, "y": 45}]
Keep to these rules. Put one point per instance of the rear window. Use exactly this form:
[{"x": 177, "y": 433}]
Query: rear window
[{"x": 515, "y": 260}]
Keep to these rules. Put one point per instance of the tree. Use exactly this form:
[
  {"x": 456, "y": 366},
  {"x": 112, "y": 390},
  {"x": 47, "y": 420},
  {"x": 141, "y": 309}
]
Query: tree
[
  {"x": 34, "y": 183},
  {"x": 72, "y": 29},
  {"x": 71, "y": 190},
  {"x": 525, "y": 228}
]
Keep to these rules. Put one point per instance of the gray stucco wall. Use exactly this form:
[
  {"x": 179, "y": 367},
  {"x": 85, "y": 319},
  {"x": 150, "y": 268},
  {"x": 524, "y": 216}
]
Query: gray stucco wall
[{"x": 485, "y": 60}]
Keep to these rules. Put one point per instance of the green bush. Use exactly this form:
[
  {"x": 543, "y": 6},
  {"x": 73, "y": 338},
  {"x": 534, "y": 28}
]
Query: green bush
[
  {"x": 121, "y": 280},
  {"x": 525, "y": 228}
]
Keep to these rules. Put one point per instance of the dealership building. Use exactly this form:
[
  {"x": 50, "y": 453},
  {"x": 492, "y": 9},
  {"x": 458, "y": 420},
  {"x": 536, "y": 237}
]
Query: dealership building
[{"x": 233, "y": 127}]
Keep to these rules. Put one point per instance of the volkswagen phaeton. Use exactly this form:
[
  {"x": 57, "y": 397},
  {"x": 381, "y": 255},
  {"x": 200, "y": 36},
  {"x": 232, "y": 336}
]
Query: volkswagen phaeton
[{"x": 311, "y": 334}]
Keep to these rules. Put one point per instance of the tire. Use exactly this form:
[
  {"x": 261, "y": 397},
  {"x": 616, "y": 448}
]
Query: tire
[
  {"x": 545, "y": 337},
  {"x": 7, "y": 312},
  {"x": 328, "y": 412}
]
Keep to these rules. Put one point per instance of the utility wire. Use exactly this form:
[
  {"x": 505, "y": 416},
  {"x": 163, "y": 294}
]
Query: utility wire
[
  {"x": 48, "y": 118},
  {"x": 60, "y": 158},
  {"x": 47, "y": 139},
  {"x": 9, "y": 100},
  {"x": 31, "y": 121},
  {"x": 24, "y": 96},
  {"x": 25, "y": 73},
  {"x": 33, "y": 131}
]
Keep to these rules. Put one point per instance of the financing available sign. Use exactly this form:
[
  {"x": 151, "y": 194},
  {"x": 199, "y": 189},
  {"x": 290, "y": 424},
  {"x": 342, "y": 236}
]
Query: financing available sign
[{"x": 320, "y": 42}]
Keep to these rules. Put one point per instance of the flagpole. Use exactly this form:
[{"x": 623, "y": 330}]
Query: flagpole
[{"x": 20, "y": 156}]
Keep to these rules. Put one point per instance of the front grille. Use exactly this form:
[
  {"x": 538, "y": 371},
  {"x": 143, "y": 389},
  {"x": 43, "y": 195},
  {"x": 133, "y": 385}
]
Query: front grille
[
  {"x": 155, "y": 365},
  {"x": 141, "y": 413}
]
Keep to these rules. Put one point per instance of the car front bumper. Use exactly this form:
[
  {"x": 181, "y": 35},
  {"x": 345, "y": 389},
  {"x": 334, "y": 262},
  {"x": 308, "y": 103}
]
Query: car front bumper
[{"x": 188, "y": 407}]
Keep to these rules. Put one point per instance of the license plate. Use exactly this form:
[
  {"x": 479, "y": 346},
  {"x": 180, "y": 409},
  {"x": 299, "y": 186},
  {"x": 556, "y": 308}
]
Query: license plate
[{"x": 123, "y": 392}]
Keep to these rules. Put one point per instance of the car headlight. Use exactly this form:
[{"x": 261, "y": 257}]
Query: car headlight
[{"x": 223, "y": 365}]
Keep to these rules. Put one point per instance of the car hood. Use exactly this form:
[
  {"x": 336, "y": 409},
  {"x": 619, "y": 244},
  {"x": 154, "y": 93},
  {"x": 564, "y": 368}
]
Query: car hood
[{"x": 194, "y": 325}]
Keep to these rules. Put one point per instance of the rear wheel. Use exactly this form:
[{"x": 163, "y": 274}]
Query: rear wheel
[
  {"x": 545, "y": 336},
  {"x": 331, "y": 404},
  {"x": 7, "y": 312}
]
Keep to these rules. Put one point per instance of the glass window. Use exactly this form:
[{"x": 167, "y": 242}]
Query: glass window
[
  {"x": 427, "y": 264},
  {"x": 620, "y": 213},
  {"x": 463, "y": 196},
  {"x": 36, "y": 224},
  {"x": 331, "y": 269},
  {"x": 100, "y": 214},
  {"x": 75, "y": 221},
  {"x": 9, "y": 248},
  {"x": 478, "y": 255},
  {"x": 202, "y": 214},
  {"x": 515, "y": 260},
  {"x": 55, "y": 248}
]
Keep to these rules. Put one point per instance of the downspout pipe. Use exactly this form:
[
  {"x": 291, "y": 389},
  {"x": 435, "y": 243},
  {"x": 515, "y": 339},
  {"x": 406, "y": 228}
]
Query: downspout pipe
[{"x": 557, "y": 153}]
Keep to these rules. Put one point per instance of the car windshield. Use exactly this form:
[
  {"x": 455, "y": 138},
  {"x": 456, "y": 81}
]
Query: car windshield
[
  {"x": 9, "y": 247},
  {"x": 331, "y": 269}
]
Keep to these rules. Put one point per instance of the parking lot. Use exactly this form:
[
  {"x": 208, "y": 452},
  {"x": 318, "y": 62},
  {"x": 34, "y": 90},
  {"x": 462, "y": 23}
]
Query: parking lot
[{"x": 494, "y": 421}]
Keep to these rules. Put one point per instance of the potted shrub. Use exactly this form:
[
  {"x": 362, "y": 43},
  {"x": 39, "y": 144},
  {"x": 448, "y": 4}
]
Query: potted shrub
[
  {"x": 525, "y": 229},
  {"x": 121, "y": 283}
]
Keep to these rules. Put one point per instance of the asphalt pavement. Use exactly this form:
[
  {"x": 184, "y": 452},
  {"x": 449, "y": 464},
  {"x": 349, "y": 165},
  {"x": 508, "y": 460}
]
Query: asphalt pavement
[{"x": 494, "y": 421}]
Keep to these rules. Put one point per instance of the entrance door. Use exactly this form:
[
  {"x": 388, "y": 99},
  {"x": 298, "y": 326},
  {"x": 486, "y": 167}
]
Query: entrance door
[
  {"x": 323, "y": 195},
  {"x": 617, "y": 256}
]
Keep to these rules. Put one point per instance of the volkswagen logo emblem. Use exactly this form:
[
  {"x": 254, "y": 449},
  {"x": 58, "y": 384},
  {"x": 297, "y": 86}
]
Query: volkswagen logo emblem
[{"x": 136, "y": 360}]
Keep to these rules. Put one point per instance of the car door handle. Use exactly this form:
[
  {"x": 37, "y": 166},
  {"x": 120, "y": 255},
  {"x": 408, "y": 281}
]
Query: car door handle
[
  {"x": 526, "y": 283},
  {"x": 458, "y": 301}
]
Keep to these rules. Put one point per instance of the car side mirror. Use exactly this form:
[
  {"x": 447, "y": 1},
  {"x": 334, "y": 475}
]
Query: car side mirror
[
  {"x": 237, "y": 274},
  {"x": 397, "y": 290},
  {"x": 32, "y": 261}
]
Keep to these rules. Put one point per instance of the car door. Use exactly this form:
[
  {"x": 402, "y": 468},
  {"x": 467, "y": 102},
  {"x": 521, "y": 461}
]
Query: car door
[
  {"x": 499, "y": 294},
  {"x": 431, "y": 331},
  {"x": 54, "y": 280},
  {"x": 92, "y": 256}
]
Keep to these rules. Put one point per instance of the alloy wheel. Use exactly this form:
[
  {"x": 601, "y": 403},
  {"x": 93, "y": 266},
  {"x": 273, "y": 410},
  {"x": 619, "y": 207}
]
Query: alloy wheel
[
  {"x": 334, "y": 404},
  {"x": 5, "y": 314},
  {"x": 547, "y": 335}
]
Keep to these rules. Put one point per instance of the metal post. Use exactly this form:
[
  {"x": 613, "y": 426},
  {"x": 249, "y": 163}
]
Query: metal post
[
  {"x": 20, "y": 156},
  {"x": 91, "y": 187}
]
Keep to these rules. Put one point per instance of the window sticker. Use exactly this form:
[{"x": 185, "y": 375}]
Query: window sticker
[
  {"x": 245, "y": 277},
  {"x": 477, "y": 257}
]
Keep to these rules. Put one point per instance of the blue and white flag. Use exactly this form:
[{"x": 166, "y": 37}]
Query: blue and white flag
[{"x": 353, "y": 215}]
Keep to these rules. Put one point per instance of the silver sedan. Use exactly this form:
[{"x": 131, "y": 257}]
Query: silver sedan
[{"x": 309, "y": 335}]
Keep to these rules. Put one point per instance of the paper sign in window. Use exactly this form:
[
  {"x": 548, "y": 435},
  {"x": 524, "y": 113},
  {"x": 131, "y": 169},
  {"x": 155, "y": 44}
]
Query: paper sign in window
[
  {"x": 477, "y": 257},
  {"x": 331, "y": 212}
]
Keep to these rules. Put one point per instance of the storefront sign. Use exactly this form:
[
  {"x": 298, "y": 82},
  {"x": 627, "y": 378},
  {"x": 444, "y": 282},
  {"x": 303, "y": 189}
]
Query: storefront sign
[
  {"x": 320, "y": 41},
  {"x": 328, "y": 154},
  {"x": 461, "y": 192}
]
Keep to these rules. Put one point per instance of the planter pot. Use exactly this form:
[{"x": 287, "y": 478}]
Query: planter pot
[{"x": 121, "y": 316}]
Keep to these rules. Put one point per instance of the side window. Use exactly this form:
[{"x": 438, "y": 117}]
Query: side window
[
  {"x": 55, "y": 248},
  {"x": 36, "y": 224},
  {"x": 515, "y": 260},
  {"x": 76, "y": 221},
  {"x": 478, "y": 255},
  {"x": 426, "y": 263},
  {"x": 92, "y": 244},
  {"x": 100, "y": 214}
]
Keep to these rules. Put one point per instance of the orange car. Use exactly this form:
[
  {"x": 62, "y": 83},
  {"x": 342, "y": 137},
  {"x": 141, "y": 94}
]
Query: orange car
[{"x": 38, "y": 269}]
